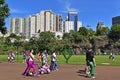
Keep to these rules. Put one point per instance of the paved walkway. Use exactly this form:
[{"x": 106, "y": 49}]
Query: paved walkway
[{"x": 9, "y": 71}]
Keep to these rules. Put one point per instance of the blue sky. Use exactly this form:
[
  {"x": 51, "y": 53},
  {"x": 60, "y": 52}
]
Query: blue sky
[{"x": 90, "y": 12}]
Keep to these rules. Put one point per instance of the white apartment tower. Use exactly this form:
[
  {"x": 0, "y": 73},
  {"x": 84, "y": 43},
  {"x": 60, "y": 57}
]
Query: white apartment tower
[
  {"x": 59, "y": 27},
  {"x": 27, "y": 26},
  {"x": 32, "y": 26},
  {"x": 12, "y": 25},
  {"x": 42, "y": 21},
  {"x": 50, "y": 21},
  {"x": 46, "y": 20},
  {"x": 69, "y": 25},
  {"x": 79, "y": 24},
  {"x": 16, "y": 25},
  {"x": 37, "y": 23}
]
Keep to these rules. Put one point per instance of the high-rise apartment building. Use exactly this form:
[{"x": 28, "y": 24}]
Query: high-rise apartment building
[
  {"x": 100, "y": 25},
  {"x": 26, "y": 31},
  {"x": 116, "y": 20},
  {"x": 79, "y": 24},
  {"x": 73, "y": 16},
  {"x": 16, "y": 25},
  {"x": 69, "y": 25},
  {"x": 50, "y": 19},
  {"x": 59, "y": 20},
  {"x": 12, "y": 25},
  {"x": 42, "y": 21},
  {"x": 37, "y": 23},
  {"x": 46, "y": 20},
  {"x": 32, "y": 26}
]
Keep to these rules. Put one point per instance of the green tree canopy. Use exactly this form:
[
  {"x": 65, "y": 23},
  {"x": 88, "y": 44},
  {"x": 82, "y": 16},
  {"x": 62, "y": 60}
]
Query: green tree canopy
[
  {"x": 83, "y": 31},
  {"x": 102, "y": 31},
  {"x": 114, "y": 33},
  {"x": 4, "y": 13}
]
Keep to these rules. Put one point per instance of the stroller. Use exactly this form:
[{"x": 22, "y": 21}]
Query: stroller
[{"x": 45, "y": 69}]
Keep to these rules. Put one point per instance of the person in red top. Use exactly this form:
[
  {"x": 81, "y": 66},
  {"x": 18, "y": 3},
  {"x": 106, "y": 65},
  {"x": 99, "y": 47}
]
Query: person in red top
[{"x": 39, "y": 59}]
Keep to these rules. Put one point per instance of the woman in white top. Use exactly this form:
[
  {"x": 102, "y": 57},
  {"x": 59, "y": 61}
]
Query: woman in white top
[
  {"x": 30, "y": 64},
  {"x": 54, "y": 61}
]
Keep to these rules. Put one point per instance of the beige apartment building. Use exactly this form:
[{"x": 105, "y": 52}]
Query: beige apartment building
[
  {"x": 32, "y": 24},
  {"x": 45, "y": 20},
  {"x": 16, "y": 25},
  {"x": 26, "y": 26},
  {"x": 38, "y": 23}
]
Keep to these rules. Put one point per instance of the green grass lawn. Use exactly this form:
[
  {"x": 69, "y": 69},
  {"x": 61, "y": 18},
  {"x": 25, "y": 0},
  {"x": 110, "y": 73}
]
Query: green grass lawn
[
  {"x": 77, "y": 59},
  {"x": 100, "y": 60}
]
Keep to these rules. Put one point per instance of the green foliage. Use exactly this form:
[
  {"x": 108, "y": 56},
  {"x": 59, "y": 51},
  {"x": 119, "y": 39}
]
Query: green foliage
[
  {"x": 4, "y": 13},
  {"x": 45, "y": 41},
  {"x": 102, "y": 31},
  {"x": 114, "y": 33},
  {"x": 83, "y": 31},
  {"x": 66, "y": 35},
  {"x": 67, "y": 53},
  {"x": 91, "y": 32},
  {"x": 14, "y": 36},
  {"x": 5, "y": 48},
  {"x": 79, "y": 41},
  {"x": 46, "y": 36}
]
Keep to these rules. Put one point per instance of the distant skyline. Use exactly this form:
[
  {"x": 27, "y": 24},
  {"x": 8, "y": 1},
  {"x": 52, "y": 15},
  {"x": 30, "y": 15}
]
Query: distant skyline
[{"x": 90, "y": 12}]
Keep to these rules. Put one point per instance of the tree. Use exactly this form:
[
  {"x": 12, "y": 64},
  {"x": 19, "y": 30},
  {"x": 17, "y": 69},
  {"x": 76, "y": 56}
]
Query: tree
[
  {"x": 46, "y": 36},
  {"x": 4, "y": 13},
  {"x": 114, "y": 33},
  {"x": 91, "y": 32},
  {"x": 45, "y": 40},
  {"x": 102, "y": 31},
  {"x": 83, "y": 31},
  {"x": 66, "y": 35}
]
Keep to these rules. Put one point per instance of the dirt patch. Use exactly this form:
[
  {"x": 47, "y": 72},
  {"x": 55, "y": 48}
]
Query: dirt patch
[{"x": 13, "y": 71}]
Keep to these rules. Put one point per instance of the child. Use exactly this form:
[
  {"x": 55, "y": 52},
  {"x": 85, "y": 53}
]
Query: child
[
  {"x": 45, "y": 69},
  {"x": 39, "y": 59},
  {"x": 8, "y": 58},
  {"x": 12, "y": 56},
  {"x": 24, "y": 58},
  {"x": 112, "y": 56}
]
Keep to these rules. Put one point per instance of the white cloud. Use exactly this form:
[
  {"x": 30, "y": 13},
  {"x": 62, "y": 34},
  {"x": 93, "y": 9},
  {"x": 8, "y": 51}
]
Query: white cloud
[
  {"x": 15, "y": 11},
  {"x": 66, "y": 5}
]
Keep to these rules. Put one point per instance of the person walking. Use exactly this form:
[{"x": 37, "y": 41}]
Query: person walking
[
  {"x": 30, "y": 64},
  {"x": 54, "y": 61},
  {"x": 44, "y": 57},
  {"x": 90, "y": 62}
]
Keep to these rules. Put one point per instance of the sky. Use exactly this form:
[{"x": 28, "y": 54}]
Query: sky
[{"x": 90, "y": 12}]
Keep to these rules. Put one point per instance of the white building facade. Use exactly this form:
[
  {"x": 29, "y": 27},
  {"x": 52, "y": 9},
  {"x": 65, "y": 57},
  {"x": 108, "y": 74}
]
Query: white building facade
[
  {"x": 16, "y": 25},
  {"x": 45, "y": 20}
]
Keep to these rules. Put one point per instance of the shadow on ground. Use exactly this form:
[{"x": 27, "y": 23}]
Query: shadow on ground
[{"x": 82, "y": 73}]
